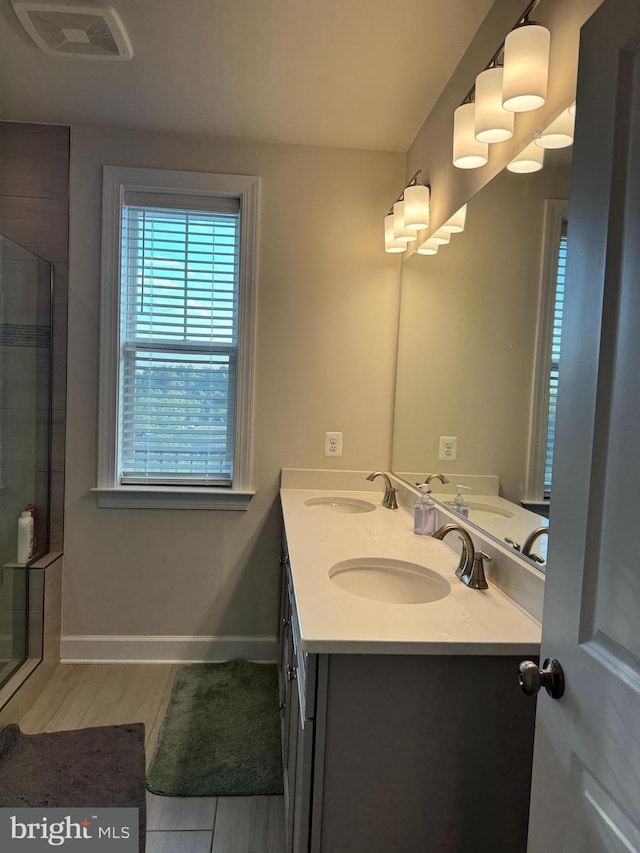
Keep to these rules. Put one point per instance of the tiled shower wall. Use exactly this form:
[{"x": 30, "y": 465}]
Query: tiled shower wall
[{"x": 34, "y": 211}]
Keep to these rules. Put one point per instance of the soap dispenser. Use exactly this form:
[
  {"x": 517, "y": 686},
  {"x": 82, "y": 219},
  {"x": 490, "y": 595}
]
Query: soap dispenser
[
  {"x": 424, "y": 514},
  {"x": 459, "y": 504}
]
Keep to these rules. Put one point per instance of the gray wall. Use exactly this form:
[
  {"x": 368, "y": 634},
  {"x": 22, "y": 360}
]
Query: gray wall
[{"x": 326, "y": 346}]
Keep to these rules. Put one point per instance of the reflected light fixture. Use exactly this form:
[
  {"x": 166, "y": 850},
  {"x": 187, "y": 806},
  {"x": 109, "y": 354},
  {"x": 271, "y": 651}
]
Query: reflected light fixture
[
  {"x": 457, "y": 222},
  {"x": 429, "y": 247},
  {"x": 400, "y": 231},
  {"x": 391, "y": 245},
  {"x": 440, "y": 237},
  {"x": 526, "y": 67},
  {"x": 468, "y": 153},
  {"x": 530, "y": 159},
  {"x": 559, "y": 134},
  {"x": 416, "y": 207},
  {"x": 492, "y": 122}
]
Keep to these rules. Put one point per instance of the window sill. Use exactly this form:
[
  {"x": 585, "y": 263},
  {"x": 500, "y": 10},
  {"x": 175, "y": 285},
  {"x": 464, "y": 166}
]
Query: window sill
[{"x": 174, "y": 497}]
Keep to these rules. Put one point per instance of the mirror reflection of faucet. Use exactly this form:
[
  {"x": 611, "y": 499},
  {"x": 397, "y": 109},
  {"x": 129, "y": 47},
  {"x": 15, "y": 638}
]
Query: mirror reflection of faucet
[
  {"x": 530, "y": 541},
  {"x": 444, "y": 480}
]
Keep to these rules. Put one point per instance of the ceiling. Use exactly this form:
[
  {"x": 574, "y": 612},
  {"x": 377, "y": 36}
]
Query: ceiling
[{"x": 345, "y": 73}]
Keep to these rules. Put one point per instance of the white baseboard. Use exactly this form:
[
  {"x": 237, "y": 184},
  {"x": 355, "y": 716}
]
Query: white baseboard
[{"x": 87, "y": 648}]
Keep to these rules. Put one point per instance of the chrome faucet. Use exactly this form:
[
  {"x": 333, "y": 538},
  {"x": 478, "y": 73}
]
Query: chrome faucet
[
  {"x": 475, "y": 578},
  {"x": 530, "y": 541},
  {"x": 465, "y": 565},
  {"x": 444, "y": 480},
  {"x": 389, "y": 500}
]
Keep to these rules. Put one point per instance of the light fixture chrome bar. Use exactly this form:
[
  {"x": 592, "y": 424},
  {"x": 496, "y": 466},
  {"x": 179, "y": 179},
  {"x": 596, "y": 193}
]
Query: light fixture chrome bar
[
  {"x": 412, "y": 183},
  {"x": 499, "y": 54}
]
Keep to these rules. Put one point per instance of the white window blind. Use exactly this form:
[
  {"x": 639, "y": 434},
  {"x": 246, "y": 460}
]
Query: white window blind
[
  {"x": 178, "y": 339},
  {"x": 556, "y": 334}
]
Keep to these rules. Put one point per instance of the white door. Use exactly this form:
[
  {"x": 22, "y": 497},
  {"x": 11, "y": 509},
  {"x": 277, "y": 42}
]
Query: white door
[{"x": 586, "y": 777}]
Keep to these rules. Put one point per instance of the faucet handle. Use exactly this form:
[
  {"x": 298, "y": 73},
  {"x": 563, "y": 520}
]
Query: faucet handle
[
  {"x": 515, "y": 545},
  {"x": 475, "y": 578}
]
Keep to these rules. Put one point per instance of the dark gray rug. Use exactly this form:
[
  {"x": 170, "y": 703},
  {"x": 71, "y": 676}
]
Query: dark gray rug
[
  {"x": 101, "y": 767},
  {"x": 221, "y": 733}
]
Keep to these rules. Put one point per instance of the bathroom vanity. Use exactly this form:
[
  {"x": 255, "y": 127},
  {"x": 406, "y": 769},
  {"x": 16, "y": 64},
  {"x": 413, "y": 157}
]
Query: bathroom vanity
[{"x": 403, "y": 726}]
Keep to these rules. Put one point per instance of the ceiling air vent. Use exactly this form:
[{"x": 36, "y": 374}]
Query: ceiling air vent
[{"x": 88, "y": 30}]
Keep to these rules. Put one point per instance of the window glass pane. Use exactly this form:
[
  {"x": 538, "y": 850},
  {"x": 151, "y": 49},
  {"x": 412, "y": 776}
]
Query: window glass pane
[{"x": 179, "y": 328}]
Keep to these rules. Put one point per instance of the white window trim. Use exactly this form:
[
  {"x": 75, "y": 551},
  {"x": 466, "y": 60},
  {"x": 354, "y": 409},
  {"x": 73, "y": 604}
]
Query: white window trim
[
  {"x": 117, "y": 179},
  {"x": 555, "y": 210}
]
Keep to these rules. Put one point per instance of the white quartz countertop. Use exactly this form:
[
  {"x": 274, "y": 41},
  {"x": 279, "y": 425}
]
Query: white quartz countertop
[{"x": 466, "y": 621}]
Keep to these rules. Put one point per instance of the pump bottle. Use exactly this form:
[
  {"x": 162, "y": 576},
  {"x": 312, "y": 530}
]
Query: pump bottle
[
  {"x": 424, "y": 513},
  {"x": 459, "y": 504}
]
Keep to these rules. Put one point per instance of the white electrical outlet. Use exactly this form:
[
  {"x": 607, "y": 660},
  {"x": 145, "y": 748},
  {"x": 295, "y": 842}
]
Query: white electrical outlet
[
  {"x": 448, "y": 450},
  {"x": 333, "y": 444}
]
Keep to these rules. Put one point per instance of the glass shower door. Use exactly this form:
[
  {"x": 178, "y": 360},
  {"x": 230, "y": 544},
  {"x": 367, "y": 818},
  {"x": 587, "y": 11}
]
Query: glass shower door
[{"x": 25, "y": 427}]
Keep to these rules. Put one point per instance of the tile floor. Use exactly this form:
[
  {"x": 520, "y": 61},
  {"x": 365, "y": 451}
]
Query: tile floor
[
  {"x": 79, "y": 695},
  {"x": 215, "y": 825}
]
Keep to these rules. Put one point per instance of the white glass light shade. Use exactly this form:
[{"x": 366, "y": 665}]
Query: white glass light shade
[
  {"x": 559, "y": 134},
  {"x": 492, "y": 122},
  {"x": 440, "y": 237},
  {"x": 531, "y": 159},
  {"x": 572, "y": 109},
  {"x": 468, "y": 153},
  {"x": 526, "y": 68},
  {"x": 416, "y": 207},
  {"x": 390, "y": 243},
  {"x": 400, "y": 232},
  {"x": 456, "y": 224},
  {"x": 428, "y": 248}
]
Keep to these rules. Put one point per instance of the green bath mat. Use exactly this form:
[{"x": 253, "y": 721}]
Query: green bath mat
[{"x": 221, "y": 733}]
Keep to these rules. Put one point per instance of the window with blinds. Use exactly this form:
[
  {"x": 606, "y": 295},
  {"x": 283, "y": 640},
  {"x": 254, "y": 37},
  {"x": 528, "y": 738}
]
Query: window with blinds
[
  {"x": 179, "y": 299},
  {"x": 556, "y": 334}
]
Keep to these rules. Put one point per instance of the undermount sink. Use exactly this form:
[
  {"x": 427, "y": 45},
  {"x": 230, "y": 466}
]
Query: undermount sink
[
  {"x": 393, "y": 581},
  {"x": 340, "y": 504},
  {"x": 478, "y": 510},
  {"x": 490, "y": 509}
]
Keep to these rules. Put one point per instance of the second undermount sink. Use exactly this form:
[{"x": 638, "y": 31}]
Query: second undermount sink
[
  {"x": 490, "y": 509},
  {"x": 393, "y": 581},
  {"x": 340, "y": 504}
]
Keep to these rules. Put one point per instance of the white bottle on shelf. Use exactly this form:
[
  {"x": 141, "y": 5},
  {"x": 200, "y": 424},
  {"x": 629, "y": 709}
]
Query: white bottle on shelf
[{"x": 25, "y": 537}]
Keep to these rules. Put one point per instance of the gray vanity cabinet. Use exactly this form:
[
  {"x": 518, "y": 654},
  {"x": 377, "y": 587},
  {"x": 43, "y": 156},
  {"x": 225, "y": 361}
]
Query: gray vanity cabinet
[
  {"x": 389, "y": 753},
  {"x": 297, "y": 681}
]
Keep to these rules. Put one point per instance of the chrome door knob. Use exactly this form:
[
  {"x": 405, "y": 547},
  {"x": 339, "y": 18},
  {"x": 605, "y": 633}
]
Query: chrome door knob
[{"x": 531, "y": 678}]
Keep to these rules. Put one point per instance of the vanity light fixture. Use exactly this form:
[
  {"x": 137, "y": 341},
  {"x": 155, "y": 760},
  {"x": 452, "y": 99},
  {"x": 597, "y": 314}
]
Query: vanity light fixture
[
  {"x": 492, "y": 122},
  {"x": 408, "y": 215},
  {"x": 559, "y": 134},
  {"x": 391, "y": 245},
  {"x": 429, "y": 247},
  {"x": 468, "y": 153},
  {"x": 400, "y": 231},
  {"x": 572, "y": 109},
  {"x": 526, "y": 67},
  {"x": 530, "y": 159},
  {"x": 416, "y": 207},
  {"x": 457, "y": 222}
]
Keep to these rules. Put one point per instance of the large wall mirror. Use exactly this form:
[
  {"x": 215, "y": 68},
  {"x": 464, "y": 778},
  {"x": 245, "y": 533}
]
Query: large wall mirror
[{"x": 476, "y": 323}]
